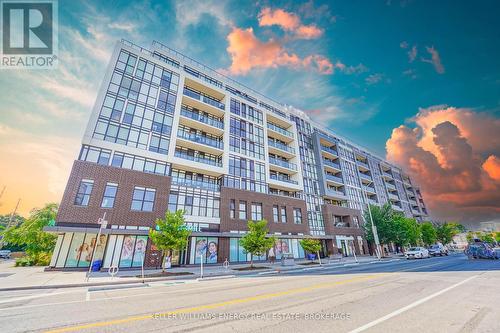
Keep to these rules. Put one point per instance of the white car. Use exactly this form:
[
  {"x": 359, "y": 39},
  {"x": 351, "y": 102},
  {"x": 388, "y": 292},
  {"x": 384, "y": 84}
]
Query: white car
[{"x": 417, "y": 253}]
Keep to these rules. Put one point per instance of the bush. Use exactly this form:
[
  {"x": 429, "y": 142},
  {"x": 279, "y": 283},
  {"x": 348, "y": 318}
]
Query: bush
[{"x": 40, "y": 259}]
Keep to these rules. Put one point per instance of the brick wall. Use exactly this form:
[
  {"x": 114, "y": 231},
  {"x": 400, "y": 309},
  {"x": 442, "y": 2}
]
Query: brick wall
[
  {"x": 267, "y": 200},
  {"x": 120, "y": 214}
]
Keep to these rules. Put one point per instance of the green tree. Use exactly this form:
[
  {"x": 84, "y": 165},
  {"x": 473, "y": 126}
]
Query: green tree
[
  {"x": 428, "y": 233},
  {"x": 487, "y": 237},
  {"x": 170, "y": 234},
  {"x": 311, "y": 245},
  {"x": 37, "y": 243},
  {"x": 255, "y": 240},
  {"x": 446, "y": 231},
  {"x": 497, "y": 236},
  {"x": 406, "y": 231},
  {"x": 470, "y": 236},
  {"x": 382, "y": 218}
]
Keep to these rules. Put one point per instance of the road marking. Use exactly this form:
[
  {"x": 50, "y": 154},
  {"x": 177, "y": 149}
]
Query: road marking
[
  {"x": 213, "y": 305},
  {"x": 23, "y": 298},
  {"x": 418, "y": 267},
  {"x": 410, "y": 306}
]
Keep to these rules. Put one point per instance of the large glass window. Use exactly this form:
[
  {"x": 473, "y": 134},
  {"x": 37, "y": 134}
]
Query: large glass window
[
  {"x": 143, "y": 199},
  {"x": 108, "y": 199},
  {"x": 232, "y": 209},
  {"x": 246, "y": 138},
  {"x": 84, "y": 190},
  {"x": 297, "y": 216},
  {"x": 256, "y": 211},
  {"x": 194, "y": 201},
  {"x": 246, "y": 174},
  {"x": 242, "y": 210},
  {"x": 283, "y": 214},
  {"x": 204, "y": 248},
  {"x": 276, "y": 217}
]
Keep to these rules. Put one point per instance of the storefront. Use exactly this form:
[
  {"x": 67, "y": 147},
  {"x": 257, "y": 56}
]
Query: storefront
[{"x": 113, "y": 247}]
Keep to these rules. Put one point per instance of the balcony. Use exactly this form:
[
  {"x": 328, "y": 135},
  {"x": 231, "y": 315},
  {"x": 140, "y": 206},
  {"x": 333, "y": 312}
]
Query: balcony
[
  {"x": 393, "y": 197},
  {"x": 413, "y": 202},
  {"x": 363, "y": 165},
  {"x": 329, "y": 150},
  {"x": 331, "y": 164},
  {"x": 335, "y": 193},
  {"x": 369, "y": 189},
  {"x": 283, "y": 164},
  {"x": 284, "y": 179},
  {"x": 202, "y": 101},
  {"x": 334, "y": 178},
  {"x": 279, "y": 132},
  {"x": 365, "y": 176},
  {"x": 199, "y": 159},
  {"x": 390, "y": 186},
  {"x": 200, "y": 139},
  {"x": 372, "y": 202},
  {"x": 386, "y": 174},
  {"x": 211, "y": 121},
  {"x": 279, "y": 148},
  {"x": 415, "y": 212},
  {"x": 396, "y": 207},
  {"x": 195, "y": 183}
]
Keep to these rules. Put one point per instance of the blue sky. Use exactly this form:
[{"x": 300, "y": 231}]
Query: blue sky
[{"x": 381, "y": 51}]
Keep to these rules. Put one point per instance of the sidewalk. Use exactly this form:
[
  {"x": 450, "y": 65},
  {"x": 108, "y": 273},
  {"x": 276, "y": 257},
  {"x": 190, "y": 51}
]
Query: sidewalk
[{"x": 24, "y": 278}]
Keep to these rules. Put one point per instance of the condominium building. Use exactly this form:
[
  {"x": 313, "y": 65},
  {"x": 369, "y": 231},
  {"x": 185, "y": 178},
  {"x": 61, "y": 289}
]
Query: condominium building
[{"x": 168, "y": 133}]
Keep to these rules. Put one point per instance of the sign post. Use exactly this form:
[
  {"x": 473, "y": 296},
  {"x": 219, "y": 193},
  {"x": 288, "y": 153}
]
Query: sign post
[{"x": 103, "y": 224}]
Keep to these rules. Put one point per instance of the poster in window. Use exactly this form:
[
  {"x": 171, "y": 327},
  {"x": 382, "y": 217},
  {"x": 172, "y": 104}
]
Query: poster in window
[
  {"x": 140, "y": 250},
  {"x": 212, "y": 251},
  {"x": 127, "y": 251},
  {"x": 86, "y": 250},
  {"x": 75, "y": 250}
]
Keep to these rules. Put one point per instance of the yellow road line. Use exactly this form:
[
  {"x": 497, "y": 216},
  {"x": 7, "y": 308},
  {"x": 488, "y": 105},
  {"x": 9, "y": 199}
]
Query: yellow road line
[{"x": 211, "y": 306}]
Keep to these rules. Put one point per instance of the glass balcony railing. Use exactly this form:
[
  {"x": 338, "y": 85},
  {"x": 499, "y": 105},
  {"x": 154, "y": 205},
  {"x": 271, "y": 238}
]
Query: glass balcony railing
[
  {"x": 416, "y": 212},
  {"x": 365, "y": 176},
  {"x": 203, "y": 98},
  {"x": 281, "y": 146},
  {"x": 330, "y": 150},
  {"x": 396, "y": 207},
  {"x": 284, "y": 164},
  {"x": 385, "y": 173},
  {"x": 279, "y": 130},
  {"x": 284, "y": 179},
  {"x": 392, "y": 196},
  {"x": 202, "y": 118},
  {"x": 332, "y": 164},
  {"x": 199, "y": 159},
  {"x": 335, "y": 192},
  {"x": 196, "y": 184},
  {"x": 334, "y": 178},
  {"x": 363, "y": 164},
  {"x": 372, "y": 202},
  {"x": 369, "y": 189},
  {"x": 390, "y": 186},
  {"x": 199, "y": 138}
]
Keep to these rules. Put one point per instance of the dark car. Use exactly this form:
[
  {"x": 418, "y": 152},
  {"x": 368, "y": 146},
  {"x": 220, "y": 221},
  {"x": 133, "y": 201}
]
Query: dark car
[{"x": 480, "y": 250}]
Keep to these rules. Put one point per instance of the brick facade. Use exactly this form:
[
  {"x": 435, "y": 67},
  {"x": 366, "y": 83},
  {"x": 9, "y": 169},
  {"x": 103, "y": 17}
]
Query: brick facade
[{"x": 228, "y": 224}]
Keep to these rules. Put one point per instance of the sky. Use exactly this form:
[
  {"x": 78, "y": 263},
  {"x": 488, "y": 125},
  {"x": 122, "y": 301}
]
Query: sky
[{"x": 417, "y": 82}]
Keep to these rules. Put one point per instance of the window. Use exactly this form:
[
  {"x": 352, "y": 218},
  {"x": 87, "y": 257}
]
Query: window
[
  {"x": 297, "y": 216},
  {"x": 143, "y": 199},
  {"x": 243, "y": 210},
  {"x": 256, "y": 211},
  {"x": 108, "y": 199},
  {"x": 83, "y": 194},
  {"x": 232, "y": 209},
  {"x": 283, "y": 214},
  {"x": 276, "y": 217},
  {"x": 356, "y": 221}
]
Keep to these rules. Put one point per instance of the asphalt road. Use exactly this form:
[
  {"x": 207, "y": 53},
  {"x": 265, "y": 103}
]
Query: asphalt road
[{"x": 448, "y": 294}]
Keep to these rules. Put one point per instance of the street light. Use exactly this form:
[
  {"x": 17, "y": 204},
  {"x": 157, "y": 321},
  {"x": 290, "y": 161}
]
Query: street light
[{"x": 374, "y": 228}]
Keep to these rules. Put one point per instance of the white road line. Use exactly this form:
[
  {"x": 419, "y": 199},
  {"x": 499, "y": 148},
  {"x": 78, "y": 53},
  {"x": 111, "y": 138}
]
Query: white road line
[
  {"x": 409, "y": 306},
  {"x": 418, "y": 267},
  {"x": 23, "y": 298}
]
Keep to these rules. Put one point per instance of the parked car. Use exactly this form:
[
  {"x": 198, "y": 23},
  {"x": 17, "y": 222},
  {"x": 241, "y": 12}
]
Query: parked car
[
  {"x": 5, "y": 254},
  {"x": 480, "y": 250},
  {"x": 438, "y": 250},
  {"x": 417, "y": 253}
]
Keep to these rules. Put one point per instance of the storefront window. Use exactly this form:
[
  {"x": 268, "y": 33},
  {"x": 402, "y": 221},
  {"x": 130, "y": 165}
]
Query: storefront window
[{"x": 204, "y": 248}]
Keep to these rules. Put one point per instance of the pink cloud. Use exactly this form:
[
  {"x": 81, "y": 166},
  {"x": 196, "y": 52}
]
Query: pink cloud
[
  {"x": 248, "y": 52},
  {"x": 289, "y": 22},
  {"x": 435, "y": 59},
  {"x": 457, "y": 166}
]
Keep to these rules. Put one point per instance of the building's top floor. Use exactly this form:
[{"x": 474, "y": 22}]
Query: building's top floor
[{"x": 222, "y": 82}]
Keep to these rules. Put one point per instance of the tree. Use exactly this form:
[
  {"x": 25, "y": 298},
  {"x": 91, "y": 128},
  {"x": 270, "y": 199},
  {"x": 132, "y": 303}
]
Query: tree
[
  {"x": 487, "y": 237},
  {"x": 497, "y": 237},
  {"x": 170, "y": 234},
  {"x": 470, "y": 236},
  {"x": 406, "y": 231},
  {"x": 255, "y": 240},
  {"x": 382, "y": 218},
  {"x": 38, "y": 244},
  {"x": 428, "y": 233},
  {"x": 446, "y": 231},
  {"x": 311, "y": 245}
]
